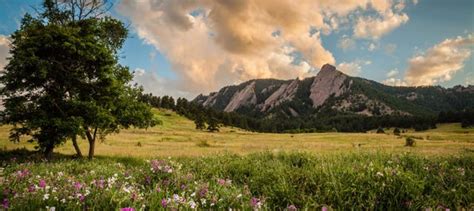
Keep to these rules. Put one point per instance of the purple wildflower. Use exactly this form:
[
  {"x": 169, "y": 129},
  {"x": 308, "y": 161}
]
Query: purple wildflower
[
  {"x": 5, "y": 203},
  {"x": 127, "y": 209},
  {"x": 82, "y": 198},
  {"x": 203, "y": 191},
  {"x": 324, "y": 209},
  {"x": 32, "y": 188},
  {"x": 42, "y": 183},
  {"x": 164, "y": 203}
]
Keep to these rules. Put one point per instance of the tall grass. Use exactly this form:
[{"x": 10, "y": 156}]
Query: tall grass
[{"x": 267, "y": 180}]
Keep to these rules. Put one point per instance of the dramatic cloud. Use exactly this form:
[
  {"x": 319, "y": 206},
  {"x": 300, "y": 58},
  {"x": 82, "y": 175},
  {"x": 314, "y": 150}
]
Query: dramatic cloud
[
  {"x": 375, "y": 27},
  {"x": 4, "y": 50},
  {"x": 440, "y": 62},
  {"x": 352, "y": 68},
  {"x": 211, "y": 43}
]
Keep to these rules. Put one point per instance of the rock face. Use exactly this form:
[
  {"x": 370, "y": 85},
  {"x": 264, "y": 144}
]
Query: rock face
[
  {"x": 243, "y": 97},
  {"x": 329, "y": 81},
  {"x": 284, "y": 93}
]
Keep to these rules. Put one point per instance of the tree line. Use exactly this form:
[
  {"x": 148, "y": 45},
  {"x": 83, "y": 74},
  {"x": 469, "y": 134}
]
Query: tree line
[{"x": 203, "y": 117}]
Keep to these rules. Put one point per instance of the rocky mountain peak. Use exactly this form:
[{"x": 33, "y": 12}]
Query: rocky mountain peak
[{"x": 328, "y": 82}]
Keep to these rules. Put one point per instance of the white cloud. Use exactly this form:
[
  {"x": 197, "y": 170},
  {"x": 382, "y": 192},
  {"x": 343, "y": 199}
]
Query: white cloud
[
  {"x": 376, "y": 27},
  {"x": 440, "y": 62},
  {"x": 353, "y": 68},
  {"x": 394, "y": 82},
  {"x": 4, "y": 50},
  {"x": 372, "y": 46},
  {"x": 346, "y": 43},
  {"x": 392, "y": 73}
]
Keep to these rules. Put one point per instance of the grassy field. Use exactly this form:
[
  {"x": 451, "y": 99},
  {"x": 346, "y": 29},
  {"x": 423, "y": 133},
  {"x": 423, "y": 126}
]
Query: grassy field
[
  {"x": 173, "y": 166},
  {"x": 177, "y": 137}
]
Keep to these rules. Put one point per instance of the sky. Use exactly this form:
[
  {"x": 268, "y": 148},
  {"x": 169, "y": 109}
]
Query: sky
[{"x": 184, "y": 48}]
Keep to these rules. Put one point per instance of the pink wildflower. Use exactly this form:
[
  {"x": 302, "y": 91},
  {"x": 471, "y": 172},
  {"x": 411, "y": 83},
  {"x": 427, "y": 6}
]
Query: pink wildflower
[
  {"x": 164, "y": 203},
  {"x": 42, "y": 183},
  {"x": 127, "y": 209},
  {"x": 292, "y": 208}
]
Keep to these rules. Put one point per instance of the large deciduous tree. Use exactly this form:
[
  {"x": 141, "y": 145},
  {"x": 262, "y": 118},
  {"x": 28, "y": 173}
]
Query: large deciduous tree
[{"x": 63, "y": 79}]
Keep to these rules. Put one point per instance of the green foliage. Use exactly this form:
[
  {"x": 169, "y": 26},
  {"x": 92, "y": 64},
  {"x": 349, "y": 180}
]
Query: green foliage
[
  {"x": 362, "y": 181},
  {"x": 396, "y": 131},
  {"x": 410, "y": 142},
  {"x": 63, "y": 79},
  {"x": 380, "y": 130}
]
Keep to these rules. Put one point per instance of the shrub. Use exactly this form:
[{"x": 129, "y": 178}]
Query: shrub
[
  {"x": 396, "y": 131},
  {"x": 380, "y": 130},
  {"x": 410, "y": 142}
]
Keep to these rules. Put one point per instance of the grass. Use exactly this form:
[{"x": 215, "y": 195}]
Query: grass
[
  {"x": 243, "y": 170},
  {"x": 178, "y": 137}
]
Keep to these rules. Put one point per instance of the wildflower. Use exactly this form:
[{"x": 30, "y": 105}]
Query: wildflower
[
  {"x": 32, "y": 188},
  {"x": 158, "y": 189},
  {"x": 63, "y": 201},
  {"x": 221, "y": 181},
  {"x": 81, "y": 198},
  {"x": 255, "y": 202},
  {"x": 5, "y": 203},
  {"x": 42, "y": 183},
  {"x": 380, "y": 174},
  {"x": 239, "y": 196},
  {"x": 292, "y": 208},
  {"x": 164, "y": 203},
  {"x": 324, "y": 209},
  {"x": 192, "y": 204},
  {"x": 203, "y": 192},
  {"x": 46, "y": 196},
  {"x": 77, "y": 186},
  {"x": 50, "y": 208},
  {"x": 127, "y": 209}
]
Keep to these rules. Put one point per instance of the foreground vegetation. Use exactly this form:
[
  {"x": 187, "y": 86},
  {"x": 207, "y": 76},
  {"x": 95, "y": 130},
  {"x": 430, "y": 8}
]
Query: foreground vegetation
[{"x": 263, "y": 180}]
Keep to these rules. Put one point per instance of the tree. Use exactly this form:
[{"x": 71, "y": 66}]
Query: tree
[
  {"x": 199, "y": 122},
  {"x": 213, "y": 125},
  {"x": 63, "y": 79}
]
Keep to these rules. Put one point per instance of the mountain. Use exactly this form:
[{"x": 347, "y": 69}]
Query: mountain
[{"x": 333, "y": 92}]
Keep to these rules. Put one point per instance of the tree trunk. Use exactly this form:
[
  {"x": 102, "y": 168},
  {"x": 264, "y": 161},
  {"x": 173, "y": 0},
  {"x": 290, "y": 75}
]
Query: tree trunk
[
  {"x": 76, "y": 147},
  {"x": 48, "y": 152},
  {"x": 91, "y": 149},
  {"x": 91, "y": 139}
]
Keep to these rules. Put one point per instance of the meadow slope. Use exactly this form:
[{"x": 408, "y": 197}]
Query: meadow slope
[{"x": 176, "y": 136}]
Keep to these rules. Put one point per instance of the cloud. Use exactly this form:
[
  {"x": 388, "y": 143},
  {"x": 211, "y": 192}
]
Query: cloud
[
  {"x": 440, "y": 62},
  {"x": 390, "y": 48},
  {"x": 394, "y": 82},
  {"x": 158, "y": 86},
  {"x": 392, "y": 73},
  {"x": 4, "y": 50},
  {"x": 211, "y": 43},
  {"x": 375, "y": 27},
  {"x": 346, "y": 43},
  {"x": 372, "y": 46},
  {"x": 353, "y": 68}
]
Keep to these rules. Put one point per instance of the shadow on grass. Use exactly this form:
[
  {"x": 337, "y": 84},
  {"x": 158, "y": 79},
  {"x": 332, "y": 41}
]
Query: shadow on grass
[{"x": 24, "y": 155}]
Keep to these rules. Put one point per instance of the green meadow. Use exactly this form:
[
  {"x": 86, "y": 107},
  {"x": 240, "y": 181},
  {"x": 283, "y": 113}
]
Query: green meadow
[{"x": 174, "y": 166}]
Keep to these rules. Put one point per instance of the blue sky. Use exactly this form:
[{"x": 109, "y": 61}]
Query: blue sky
[{"x": 169, "y": 60}]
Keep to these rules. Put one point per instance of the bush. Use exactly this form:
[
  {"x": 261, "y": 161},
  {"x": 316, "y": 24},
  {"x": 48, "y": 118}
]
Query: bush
[
  {"x": 396, "y": 131},
  {"x": 380, "y": 130},
  {"x": 410, "y": 142}
]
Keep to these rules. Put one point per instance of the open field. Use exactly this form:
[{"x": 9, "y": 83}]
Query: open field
[
  {"x": 174, "y": 166},
  {"x": 177, "y": 137}
]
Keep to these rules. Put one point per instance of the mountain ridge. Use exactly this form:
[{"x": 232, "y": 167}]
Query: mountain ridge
[{"x": 333, "y": 91}]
